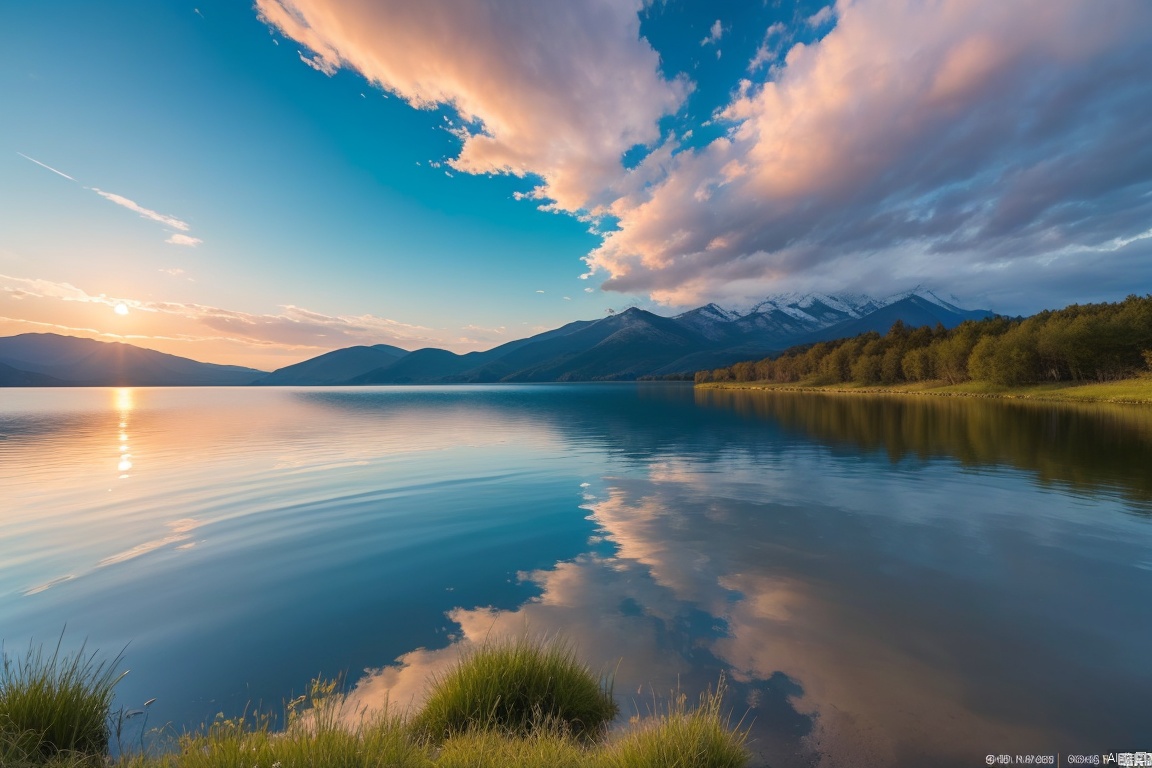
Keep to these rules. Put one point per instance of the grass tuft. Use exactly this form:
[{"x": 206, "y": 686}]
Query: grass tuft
[
  {"x": 511, "y": 704},
  {"x": 54, "y": 707},
  {"x": 681, "y": 737},
  {"x": 543, "y": 748},
  {"x": 517, "y": 686},
  {"x": 318, "y": 736}
]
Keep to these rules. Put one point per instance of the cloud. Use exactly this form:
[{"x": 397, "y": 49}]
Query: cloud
[
  {"x": 915, "y": 141},
  {"x": 561, "y": 94},
  {"x": 769, "y": 50},
  {"x": 822, "y": 16},
  {"x": 22, "y": 287},
  {"x": 168, "y": 221},
  {"x": 291, "y": 329},
  {"x": 42, "y": 165},
  {"x": 178, "y": 239},
  {"x": 714, "y": 34}
]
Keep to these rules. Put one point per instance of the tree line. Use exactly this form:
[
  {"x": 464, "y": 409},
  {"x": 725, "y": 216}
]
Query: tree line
[{"x": 1088, "y": 342}]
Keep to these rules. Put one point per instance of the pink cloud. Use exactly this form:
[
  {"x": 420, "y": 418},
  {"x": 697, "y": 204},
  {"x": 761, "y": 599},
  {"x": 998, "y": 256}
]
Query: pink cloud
[
  {"x": 914, "y": 140},
  {"x": 559, "y": 92}
]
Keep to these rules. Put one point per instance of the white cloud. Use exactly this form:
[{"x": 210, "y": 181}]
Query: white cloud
[
  {"x": 822, "y": 16},
  {"x": 714, "y": 34},
  {"x": 168, "y": 221},
  {"x": 560, "y": 94},
  {"x": 21, "y": 287},
  {"x": 317, "y": 63},
  {"x": 171, "y": 221},
  {"x": 769, "y": 50}
]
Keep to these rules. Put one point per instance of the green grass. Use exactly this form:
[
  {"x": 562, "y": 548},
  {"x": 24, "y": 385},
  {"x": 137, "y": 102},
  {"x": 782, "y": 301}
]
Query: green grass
[
  {"x": 516, "y": 686},
  {"x": 1136, "y": 390},
  {"x": 683, "y": 737},
  {"x": 542, "y": 748},
  {"x": 508, "y": 704},
  {"x": 250, "y": 741},
  {"x": 55, "y": 707}
]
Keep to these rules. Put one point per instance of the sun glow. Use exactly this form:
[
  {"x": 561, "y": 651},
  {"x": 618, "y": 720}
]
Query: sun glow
[{"x": 121, "y": 308}]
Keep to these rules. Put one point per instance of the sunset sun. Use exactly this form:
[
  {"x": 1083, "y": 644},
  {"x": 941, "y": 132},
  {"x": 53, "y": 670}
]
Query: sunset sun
[{"x": 121, "y": 309}]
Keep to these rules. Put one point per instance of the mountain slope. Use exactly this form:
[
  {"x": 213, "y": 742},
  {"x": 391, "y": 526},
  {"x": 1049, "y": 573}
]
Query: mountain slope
[
  {"x": 637, "y": 343},
  {"x": 76, "y": 361},
  {"x": 14, "y": 377},
  {"x": 621, "y": 347},
  {"x": 913, "y": 310},
  {"x": 334, "y": 367}
]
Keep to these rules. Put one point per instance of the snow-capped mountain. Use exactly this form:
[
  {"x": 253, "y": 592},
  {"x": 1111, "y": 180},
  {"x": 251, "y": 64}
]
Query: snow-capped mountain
[{"x": 795, "y": 315}]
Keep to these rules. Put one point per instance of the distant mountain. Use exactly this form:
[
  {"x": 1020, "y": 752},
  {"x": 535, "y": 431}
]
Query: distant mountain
[
  {"x": 48, "y": 359},
  {"x": 913, "y": 309},
  {"x": 637, "y": 343},
  {"x": 13, "y": 377},
  {"x": 334, "y": 367},
  {"x": 620, "y": 347}
]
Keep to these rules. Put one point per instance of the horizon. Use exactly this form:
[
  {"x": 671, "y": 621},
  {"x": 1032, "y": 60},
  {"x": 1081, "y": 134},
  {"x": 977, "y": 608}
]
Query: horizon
[
  {"x": 258, "y": 184},
  {"x": 740, "y": 311}
]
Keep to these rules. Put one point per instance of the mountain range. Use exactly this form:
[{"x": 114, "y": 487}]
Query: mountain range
[
  {"x": 623, "y": 346},
  {"x": 52, "y": 360}
]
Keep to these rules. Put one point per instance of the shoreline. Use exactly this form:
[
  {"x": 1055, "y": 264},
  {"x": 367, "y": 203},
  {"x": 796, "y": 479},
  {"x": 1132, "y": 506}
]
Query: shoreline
[{"x": 1137, "y": 391}]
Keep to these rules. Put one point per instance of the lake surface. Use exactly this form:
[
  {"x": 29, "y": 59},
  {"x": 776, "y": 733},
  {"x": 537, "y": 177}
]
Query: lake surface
[{"x": 883, "y": 581}]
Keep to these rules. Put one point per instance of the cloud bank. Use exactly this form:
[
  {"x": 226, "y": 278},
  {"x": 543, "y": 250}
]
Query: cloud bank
[
  {"x": 980, "y": 144},
  {"x": 915, "y": 142},
  {"x": 558, "y": 91}
]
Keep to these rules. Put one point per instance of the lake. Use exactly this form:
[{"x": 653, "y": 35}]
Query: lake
[{"x": 882, "y": 581}]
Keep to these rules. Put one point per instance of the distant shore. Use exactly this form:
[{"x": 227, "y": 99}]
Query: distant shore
[{"x": 1135, "y": 391}]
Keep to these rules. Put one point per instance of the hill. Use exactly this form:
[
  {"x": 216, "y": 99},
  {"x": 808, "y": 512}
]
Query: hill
[{"x": 49, "y": 359}]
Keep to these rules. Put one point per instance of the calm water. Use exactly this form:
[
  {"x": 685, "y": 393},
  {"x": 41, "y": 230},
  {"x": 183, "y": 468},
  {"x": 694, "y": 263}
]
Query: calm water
[{"x": 883, "y": 581}]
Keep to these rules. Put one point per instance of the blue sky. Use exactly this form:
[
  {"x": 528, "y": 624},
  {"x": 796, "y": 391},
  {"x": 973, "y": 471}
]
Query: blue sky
[{"x": 257, "y": 184}]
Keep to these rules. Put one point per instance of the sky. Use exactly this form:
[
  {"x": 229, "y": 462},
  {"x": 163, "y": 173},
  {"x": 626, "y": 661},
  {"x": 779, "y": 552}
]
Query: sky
[{"x": 256, "y": 184}]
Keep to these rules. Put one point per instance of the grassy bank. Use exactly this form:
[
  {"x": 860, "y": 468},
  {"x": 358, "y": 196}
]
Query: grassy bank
[
  {"x": 1135, "y": 390},
  {"x": 513, "y": 704}
]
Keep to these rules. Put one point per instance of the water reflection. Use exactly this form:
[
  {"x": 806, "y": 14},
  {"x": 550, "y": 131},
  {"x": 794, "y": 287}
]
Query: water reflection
[
  {"x": 864, "y": 616},
  {"x": 896, "y": 582},
  {"x": 124, "y": 404},
  {"x": 1081, "y": 447}
]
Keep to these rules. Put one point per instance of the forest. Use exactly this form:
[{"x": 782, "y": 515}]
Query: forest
[{"x": 1080, "y": 343}]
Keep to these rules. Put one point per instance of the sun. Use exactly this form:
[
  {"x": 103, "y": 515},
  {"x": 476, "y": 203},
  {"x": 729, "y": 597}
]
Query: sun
[{"x": 121, "y": 309}]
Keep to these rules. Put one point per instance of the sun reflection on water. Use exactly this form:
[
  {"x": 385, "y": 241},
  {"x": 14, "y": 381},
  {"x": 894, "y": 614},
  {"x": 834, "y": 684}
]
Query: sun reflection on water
[{"x": 124, "y": 404}]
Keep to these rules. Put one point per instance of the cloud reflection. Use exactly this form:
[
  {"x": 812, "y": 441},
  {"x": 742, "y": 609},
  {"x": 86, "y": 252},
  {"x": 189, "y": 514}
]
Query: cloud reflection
[{"x": 845, "y": 643}]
